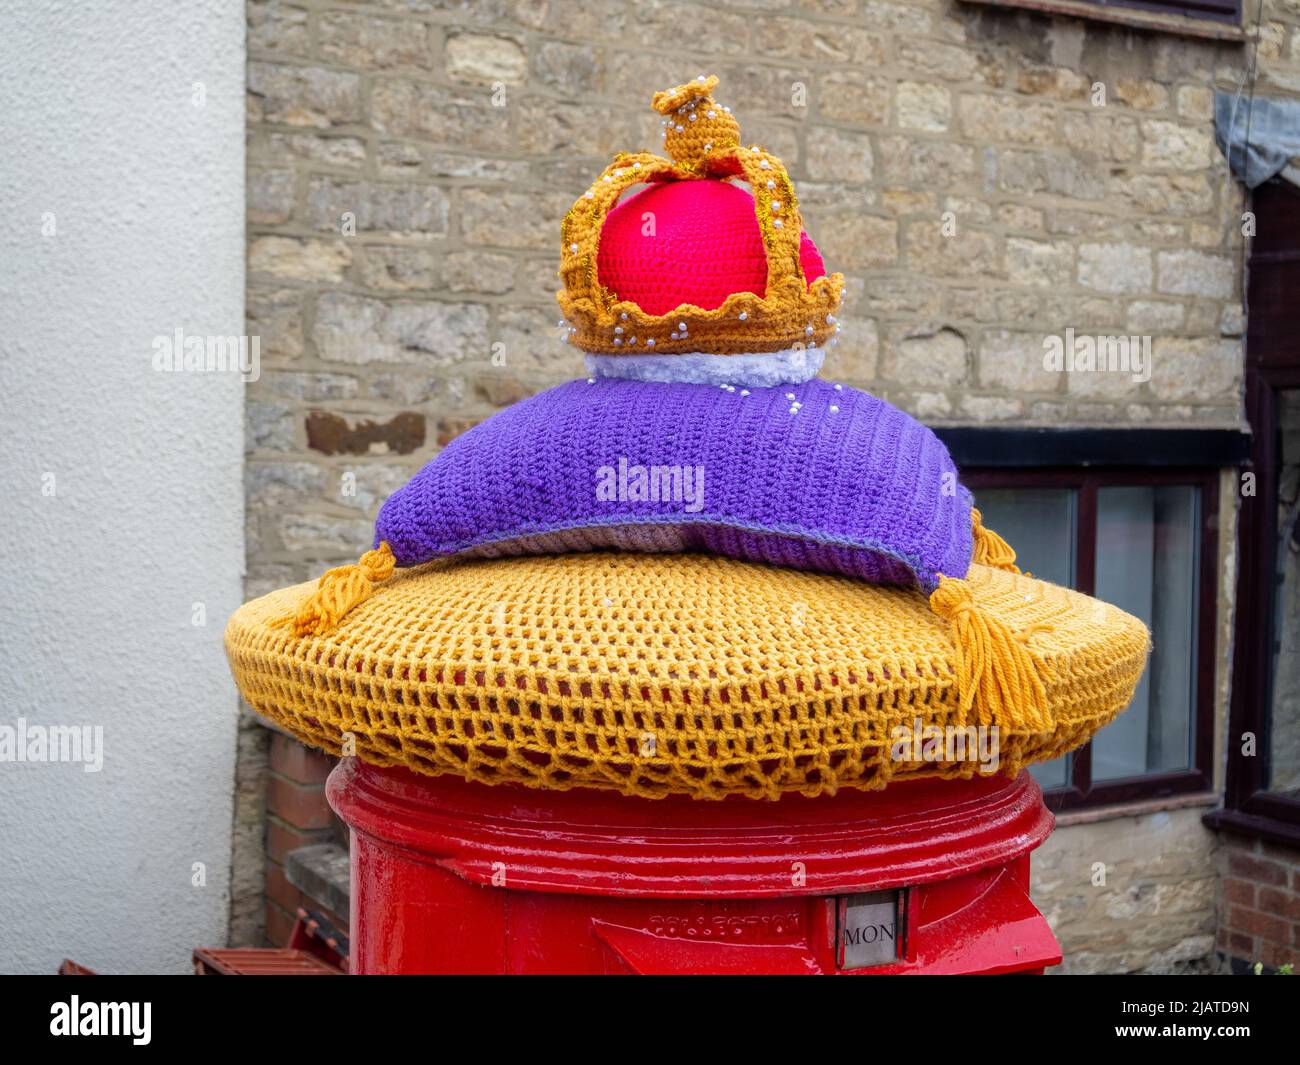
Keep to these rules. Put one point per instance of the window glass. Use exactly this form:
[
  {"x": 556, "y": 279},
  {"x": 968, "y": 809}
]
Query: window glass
[
  {"x": 1284, "y": 730},
  {"x": 1147, "y": 564},
  {"x": 1040, "y": 524}
]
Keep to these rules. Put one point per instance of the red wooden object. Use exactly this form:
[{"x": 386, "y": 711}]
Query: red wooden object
[
  {"x": 259, "y": 961},
  {"x": 454, "y": 877},
  {"x": 315, "y": 949}
]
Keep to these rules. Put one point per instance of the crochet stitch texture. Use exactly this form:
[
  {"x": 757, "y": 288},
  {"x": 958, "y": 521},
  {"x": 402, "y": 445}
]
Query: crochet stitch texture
[
  {"x": 705, "y": 245},
  {"x": 813, "y": 476},
  {"x": 655, "y": 674}
]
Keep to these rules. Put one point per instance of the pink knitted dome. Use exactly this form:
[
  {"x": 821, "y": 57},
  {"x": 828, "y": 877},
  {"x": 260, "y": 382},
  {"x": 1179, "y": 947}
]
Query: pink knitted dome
[{"x": 705, "y": 246}]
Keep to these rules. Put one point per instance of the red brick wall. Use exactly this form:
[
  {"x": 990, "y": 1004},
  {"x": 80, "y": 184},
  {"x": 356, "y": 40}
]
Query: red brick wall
[
  {"x": 1259, "y": 904},
  {"x": 296, "y": 815}
]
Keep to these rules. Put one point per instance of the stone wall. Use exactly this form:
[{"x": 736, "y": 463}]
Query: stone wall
[
  {"x": 984, "y": 177},
  {"x": 403, "y": 228},
  {"x": 410, "y": 161},
  {"x": 1131, "y": 895}
]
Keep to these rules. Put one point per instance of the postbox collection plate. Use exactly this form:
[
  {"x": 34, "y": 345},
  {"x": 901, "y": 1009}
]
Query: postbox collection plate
[{"x": 869, "y": 929}]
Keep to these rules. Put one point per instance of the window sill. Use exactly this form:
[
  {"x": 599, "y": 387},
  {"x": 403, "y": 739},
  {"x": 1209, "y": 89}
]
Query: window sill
[
  {"x": 1134, "y": 18},
  {"x": 1137, "y": 808},
  {"x": 1254, "y": 826}
]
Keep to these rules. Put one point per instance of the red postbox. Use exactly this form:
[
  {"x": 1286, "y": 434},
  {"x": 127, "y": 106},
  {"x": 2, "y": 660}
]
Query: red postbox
[{"x": 924, "y": 877}]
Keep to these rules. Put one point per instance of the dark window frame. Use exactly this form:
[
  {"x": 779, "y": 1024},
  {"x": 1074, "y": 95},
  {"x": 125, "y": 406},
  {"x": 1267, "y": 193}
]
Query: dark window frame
[
  {"x": 1082, "y": 792},
  {"x": 1228, "y": 11},
  {"x": 1216, "y": 19},
  {"x": 1272, "y": 365}
]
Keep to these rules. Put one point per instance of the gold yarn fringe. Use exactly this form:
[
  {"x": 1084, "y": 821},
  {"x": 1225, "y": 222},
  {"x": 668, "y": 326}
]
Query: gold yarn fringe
[
  {"x": 338, "y": 591},
  {"x": 990, "y": 548},
  {"x": 998, "y": 676}
]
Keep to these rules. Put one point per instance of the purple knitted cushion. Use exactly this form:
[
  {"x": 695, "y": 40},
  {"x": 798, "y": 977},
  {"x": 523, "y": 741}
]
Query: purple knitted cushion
[{"x": 813, "y": 476}]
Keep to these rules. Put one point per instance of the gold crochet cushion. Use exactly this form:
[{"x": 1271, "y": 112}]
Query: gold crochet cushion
[{"x": 689, "y": 674}]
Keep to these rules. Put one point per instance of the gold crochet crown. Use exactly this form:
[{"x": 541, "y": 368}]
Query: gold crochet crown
[{"x": 703, "y": 140}]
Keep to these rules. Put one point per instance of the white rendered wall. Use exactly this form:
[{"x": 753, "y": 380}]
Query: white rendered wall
[{"x": 121, "y": 194}]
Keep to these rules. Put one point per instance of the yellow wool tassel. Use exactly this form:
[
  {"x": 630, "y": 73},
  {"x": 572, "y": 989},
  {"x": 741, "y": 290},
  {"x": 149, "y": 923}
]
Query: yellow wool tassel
[
  {"x": 997, "y": 674},
  {"x": 339, "y": 590},
  {"x": 990, "y": 548}
]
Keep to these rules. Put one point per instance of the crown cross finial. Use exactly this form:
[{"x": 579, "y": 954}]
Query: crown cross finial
[{"x": 695, "y": 125}]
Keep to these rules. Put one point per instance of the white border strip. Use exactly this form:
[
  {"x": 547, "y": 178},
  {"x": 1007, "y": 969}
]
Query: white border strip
[{"x": 763, "y": 369}]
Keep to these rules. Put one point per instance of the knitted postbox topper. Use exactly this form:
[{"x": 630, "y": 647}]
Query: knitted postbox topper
[
  {"x": 703, "y": 309},
  {"x": 820, "y": 477}
]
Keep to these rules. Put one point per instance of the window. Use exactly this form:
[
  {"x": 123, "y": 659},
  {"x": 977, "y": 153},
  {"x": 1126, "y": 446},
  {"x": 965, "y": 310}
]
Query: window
[
  {"x": 1203, "y": 18},
  {"x": 1218, "y": 10},
  {"x": 1262, "y": 797},
  {"x": 1144, "y": 540},
  {"x": 1283, "y": 727}
]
